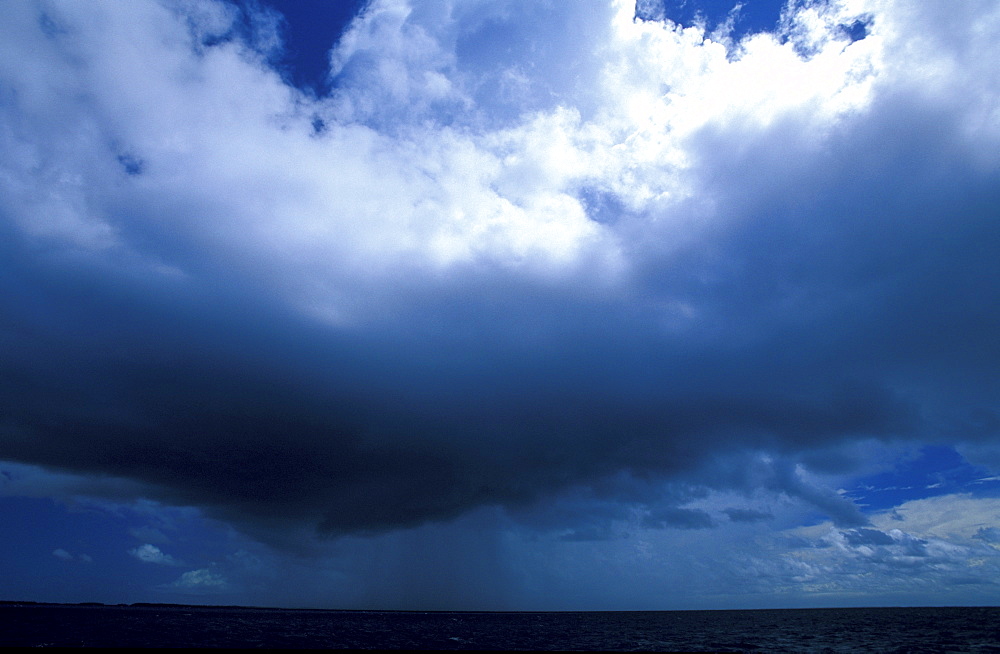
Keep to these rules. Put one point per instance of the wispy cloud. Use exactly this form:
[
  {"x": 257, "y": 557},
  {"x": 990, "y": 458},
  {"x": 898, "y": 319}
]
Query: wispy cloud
[{"x": 64, "y": 555}]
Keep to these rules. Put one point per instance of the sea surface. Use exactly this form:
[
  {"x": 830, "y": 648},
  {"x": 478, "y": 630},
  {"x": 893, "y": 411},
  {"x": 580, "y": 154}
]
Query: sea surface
[{"x": 786, "y": 630}]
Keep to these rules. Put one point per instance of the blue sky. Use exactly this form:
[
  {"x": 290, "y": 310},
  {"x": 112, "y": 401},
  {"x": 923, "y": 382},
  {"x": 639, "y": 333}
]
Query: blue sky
[{"x": 500, "y": 304}]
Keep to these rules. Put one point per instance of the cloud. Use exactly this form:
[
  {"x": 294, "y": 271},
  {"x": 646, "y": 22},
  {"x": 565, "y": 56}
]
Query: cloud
[
  {"x": 201, "y": 580},
  {"x": 960, "y": 517},
  {"x": 747, "y": 515},
  {"x": 868, "y": 537},
  {"x": 935, "y": 542},
  {"x": 680, "y": 518},
  {"x": 149, "y": 534},
  {"x": 63, "y": 555},
  {"x": 152, "y": 554},
  {"x": 989, "y": 534},
  {"x": 475, "y": 277}
]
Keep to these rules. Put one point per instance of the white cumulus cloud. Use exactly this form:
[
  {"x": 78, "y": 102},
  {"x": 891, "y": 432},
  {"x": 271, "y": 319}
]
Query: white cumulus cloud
[{"x": 152, "y": 554}]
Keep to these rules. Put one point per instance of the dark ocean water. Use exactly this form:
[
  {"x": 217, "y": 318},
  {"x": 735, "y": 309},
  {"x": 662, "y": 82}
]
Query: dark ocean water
[{"x": 801, "y": 630}]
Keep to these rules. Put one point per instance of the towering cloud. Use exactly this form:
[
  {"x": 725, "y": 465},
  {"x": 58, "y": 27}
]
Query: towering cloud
[{"x": 521, "y": 253}]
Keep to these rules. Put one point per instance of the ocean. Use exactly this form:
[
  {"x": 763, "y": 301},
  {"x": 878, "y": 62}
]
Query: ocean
[{"x": 969, "y": 629}]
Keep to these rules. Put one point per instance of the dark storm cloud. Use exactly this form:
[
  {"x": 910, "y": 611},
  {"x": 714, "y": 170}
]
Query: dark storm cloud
[
  {"x": 835, "y": 294},
  {"x": 257, "y": 414}
]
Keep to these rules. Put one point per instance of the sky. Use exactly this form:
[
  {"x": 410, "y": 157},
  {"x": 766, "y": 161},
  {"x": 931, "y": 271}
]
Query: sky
[{"x": 500, "y": 304}]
